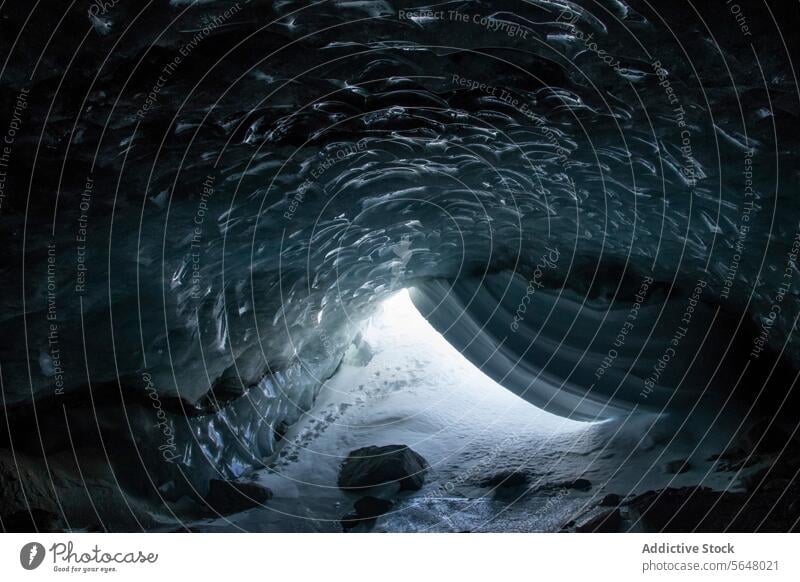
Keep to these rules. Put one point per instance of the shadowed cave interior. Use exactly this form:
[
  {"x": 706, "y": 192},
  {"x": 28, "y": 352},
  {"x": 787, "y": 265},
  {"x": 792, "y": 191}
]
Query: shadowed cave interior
[{"x": 379, "y": 266}]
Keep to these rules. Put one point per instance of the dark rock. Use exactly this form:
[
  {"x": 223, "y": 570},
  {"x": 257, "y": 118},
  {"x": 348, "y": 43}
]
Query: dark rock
[
  {"x": 352, "y": 521},
  {"x": 610, "y": 500},
  {"x": 677, "y": 466},
  {"x": 371, "y": 507},
  {"x": 234, "y": 496},
  {"x": 609, "y": 521},
  {"x": 765, "y": 438},
  {"x": 35, "y": 520},
  {"x": 375, "y": 466},
  {"x": 778, "y": 475},
  {"x": 507, "y": 485},
  {"x": 578, "y": 484},
  {"x": 700, "y": 509},
  {"x": 367, "y": 510}
]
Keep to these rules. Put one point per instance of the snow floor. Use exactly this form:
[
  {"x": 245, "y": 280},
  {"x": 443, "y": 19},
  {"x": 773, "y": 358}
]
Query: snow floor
[{"x": 406, "y": 385}]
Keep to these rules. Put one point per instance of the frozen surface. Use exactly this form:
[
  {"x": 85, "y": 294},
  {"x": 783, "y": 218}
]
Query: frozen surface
[
  {"x": 306, "y": 161},
  {"x": 405, "y": 384}
]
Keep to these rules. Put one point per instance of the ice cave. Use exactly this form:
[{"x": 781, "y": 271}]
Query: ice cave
[{"x": 386, "y": 266}]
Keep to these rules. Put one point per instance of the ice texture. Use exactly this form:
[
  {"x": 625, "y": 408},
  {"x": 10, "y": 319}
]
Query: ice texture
[{"x": 207, "y": 256}]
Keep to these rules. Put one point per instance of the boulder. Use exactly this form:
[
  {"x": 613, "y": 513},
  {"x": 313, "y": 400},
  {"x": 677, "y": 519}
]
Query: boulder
[
  {"x": 371, "y": 507},
  {"x": 609, "y": 521},
  {"x": 367, "y": 510},
  {"x": 234, "y": 496},
  {"x": 578, "y": 484},
  {"x": 610, "y": 500},
  {"x": 375, "y": 466}
]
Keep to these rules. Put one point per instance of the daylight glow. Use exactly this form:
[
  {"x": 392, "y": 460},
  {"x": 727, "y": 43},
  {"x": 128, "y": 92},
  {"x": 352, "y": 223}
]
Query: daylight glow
[{"x": 398, "y": 321}]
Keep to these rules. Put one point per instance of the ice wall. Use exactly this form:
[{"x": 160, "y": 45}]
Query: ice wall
[{"x": 203, "y": 201}]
